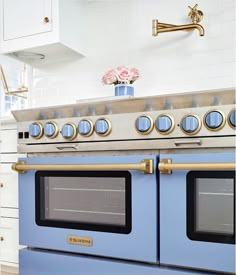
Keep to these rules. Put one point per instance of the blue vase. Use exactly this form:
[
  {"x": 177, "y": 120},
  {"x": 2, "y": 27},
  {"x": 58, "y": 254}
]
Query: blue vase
[{"x": 122, "y": 89}]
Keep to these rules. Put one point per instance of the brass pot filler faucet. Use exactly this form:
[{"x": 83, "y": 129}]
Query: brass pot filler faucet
[{"x": 196, "y": 16}]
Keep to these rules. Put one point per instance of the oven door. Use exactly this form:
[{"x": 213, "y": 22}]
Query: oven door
[
  {"x": 90, "y": 210},
  {"x": 197, "y": 213}
]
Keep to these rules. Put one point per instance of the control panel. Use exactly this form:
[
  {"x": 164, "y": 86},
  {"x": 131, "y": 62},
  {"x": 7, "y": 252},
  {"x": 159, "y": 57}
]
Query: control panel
[{"x": 177, "y": 123}]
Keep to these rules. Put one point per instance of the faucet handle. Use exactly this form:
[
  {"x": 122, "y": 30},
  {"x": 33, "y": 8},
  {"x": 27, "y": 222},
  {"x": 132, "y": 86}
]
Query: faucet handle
[{"x": 195, "y": 14}]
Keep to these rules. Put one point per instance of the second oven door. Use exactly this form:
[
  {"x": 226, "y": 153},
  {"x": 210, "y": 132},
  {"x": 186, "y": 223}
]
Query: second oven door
[
  {"x": 197, "y": 214},
  {"x": 105, "y": 213}
]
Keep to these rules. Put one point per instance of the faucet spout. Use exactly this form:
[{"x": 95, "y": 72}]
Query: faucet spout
[
  {"x": 158, "y": 27},
  {"x": 200, "y": 29},
  {"x": 192, "y": 27}
]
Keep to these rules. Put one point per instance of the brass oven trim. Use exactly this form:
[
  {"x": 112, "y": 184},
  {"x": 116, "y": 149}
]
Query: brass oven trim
[
  {"x": 146, "y": 166},
  {"x": 166, "y": 166}
]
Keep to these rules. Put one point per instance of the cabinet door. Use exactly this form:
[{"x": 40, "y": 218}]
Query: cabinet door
[
  {"x": 9, "y": 240},
  {"x": 8, "y": 186},
  {"x": 8, "y": 141},
  {"x": 26, "y": 17}
]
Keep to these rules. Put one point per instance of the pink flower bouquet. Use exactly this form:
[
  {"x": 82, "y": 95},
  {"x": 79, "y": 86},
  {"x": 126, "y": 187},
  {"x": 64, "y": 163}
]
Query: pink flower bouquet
[{"x": 120, "y": 75}]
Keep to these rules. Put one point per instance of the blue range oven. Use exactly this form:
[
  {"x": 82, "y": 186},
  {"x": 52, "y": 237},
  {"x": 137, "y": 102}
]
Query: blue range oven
[
  {"x": 197, "y": 212},
  {"x": 129, "y": 186},
  {"x": 90, "y": 210}
]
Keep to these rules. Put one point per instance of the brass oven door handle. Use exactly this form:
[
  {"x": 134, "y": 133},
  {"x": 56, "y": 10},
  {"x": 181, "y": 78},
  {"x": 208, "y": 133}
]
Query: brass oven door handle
[
  {"x": 166, "y": 166},
  {"x": 145, "y": 166}
]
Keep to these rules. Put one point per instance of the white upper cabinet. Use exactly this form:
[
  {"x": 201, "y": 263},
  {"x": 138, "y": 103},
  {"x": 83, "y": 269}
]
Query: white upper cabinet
[
  {"x": 39, "y": 32},
  {"x": 26, "y": 17}
]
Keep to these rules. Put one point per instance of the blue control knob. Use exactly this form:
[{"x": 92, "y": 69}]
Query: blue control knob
[
  {"x": 190, "y": 124},
  {"x": 102, "y": 127},
  {"x": 232, "y": 118},
  {"x": 164, "y": 124},
  {"x": 50, "y": 130},
  {"x": 36, "y": 130},
  {"x": 143, "y": 124},
  {"x": 85, "y": 127},
  {"x": 68, "y": 131},
  {"x": 214, "y": 120}
]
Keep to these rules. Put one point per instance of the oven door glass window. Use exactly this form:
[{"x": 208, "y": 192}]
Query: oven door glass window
[
  {"x": 211, "y": 206},
  {"x": 86, "y": 200}
]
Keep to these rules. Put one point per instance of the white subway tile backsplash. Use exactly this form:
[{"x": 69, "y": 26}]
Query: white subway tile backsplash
[{"x": 120, "y": 34}]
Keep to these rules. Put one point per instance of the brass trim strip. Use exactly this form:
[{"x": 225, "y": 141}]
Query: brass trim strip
[
  {"x": 166, "y": 166},
  {"x": 145, "y": 166}
]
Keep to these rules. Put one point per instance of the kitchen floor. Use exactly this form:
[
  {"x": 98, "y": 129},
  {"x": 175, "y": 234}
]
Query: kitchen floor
[{"x": 8, "y": 270}]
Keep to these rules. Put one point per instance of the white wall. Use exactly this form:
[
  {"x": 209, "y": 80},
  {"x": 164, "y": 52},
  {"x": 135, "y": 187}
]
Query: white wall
[{"x": 119, "y": 33}]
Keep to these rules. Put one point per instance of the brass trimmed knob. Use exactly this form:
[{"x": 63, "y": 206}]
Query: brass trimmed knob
[
  {"x": 46, "y": 20},
  {"x": 1, "y": 239},
  {"x": 51, "y": 129},
  {"x": 1, "y": 185}
]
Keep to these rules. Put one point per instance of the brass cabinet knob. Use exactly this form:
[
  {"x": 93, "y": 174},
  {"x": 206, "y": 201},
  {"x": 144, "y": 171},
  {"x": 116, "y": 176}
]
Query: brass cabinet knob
[
  {"x": 1, "y": 185},
  {"x": 46, "y": 19},
  {"x": 2, "y": 239}
]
